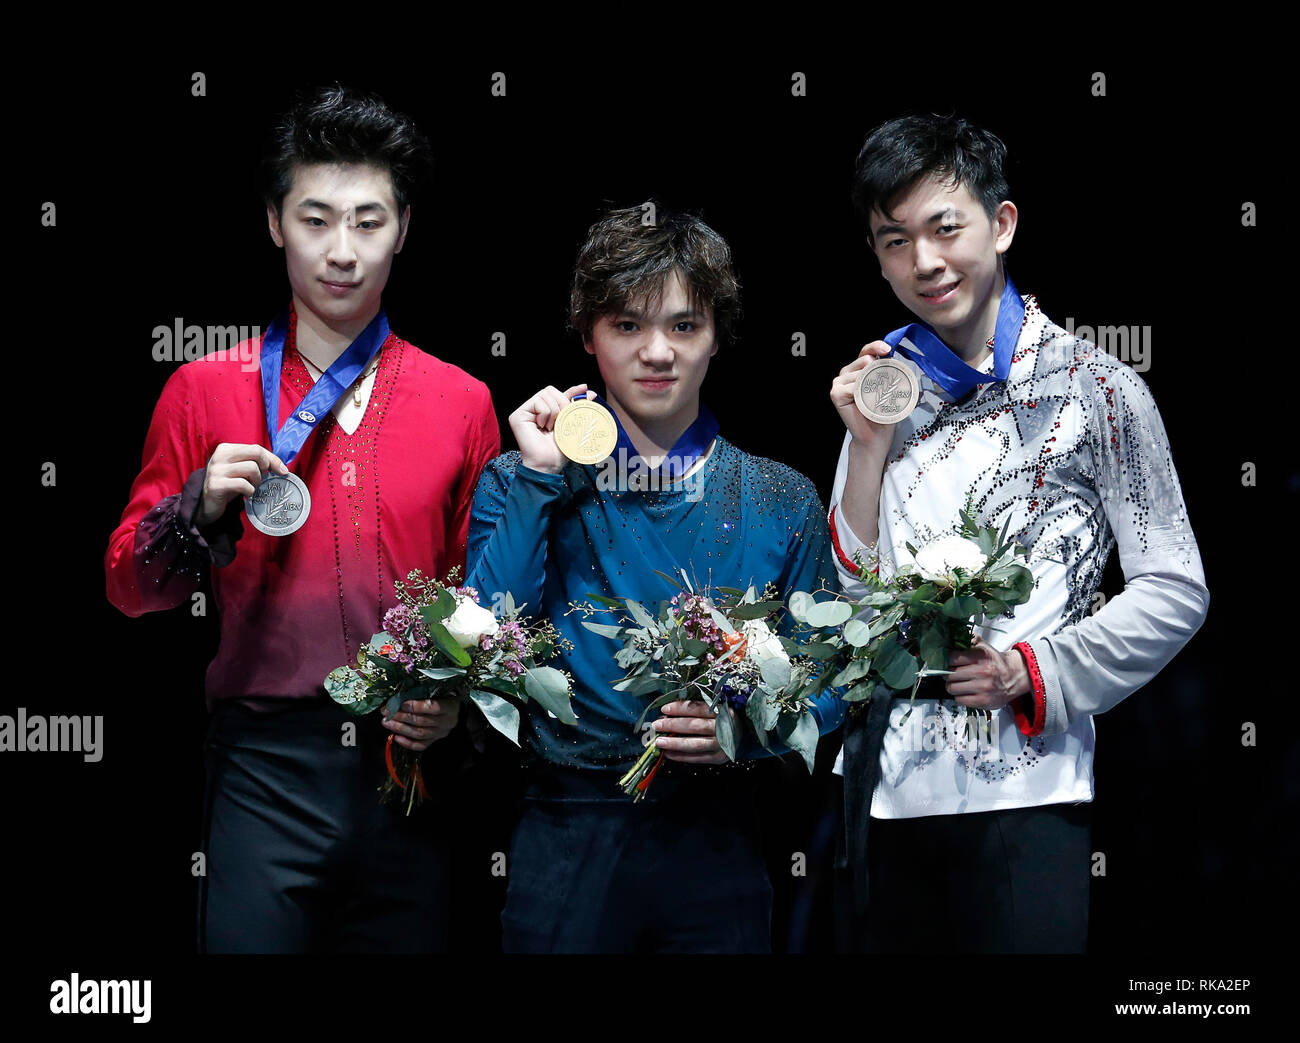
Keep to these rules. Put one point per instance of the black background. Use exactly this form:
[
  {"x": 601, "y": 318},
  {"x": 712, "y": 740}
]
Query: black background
[{"x": 1130, "y": 214}]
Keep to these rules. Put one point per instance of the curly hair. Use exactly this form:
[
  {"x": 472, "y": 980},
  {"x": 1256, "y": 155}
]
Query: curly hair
[{"x": 626, "y": 259}]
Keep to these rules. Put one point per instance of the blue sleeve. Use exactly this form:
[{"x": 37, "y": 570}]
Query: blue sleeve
[
  {"x": 809, "y": 567},
  {"x": 508, "y": 528}
]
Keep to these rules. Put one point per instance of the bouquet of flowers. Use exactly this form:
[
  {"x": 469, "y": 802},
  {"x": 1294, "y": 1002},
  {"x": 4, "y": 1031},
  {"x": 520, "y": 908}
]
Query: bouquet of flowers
[
  {"x": 721, "y": 648},
  {"x": 931, "y": 605},
  {"x": 439, "y": 643}
]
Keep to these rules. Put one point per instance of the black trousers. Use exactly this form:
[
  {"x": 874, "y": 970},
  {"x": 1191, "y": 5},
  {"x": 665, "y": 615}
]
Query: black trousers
[
  {"x": 680, "y": 871},
  {"x": 301, "y": 856},
  {"x": 1013, "y": 881}
]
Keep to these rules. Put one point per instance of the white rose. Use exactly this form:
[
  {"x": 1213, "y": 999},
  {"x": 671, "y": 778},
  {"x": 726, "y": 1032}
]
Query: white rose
[
  {"x": 937, "y": 559},
  {"x": 760, "y": 642},
  {"x": 469, "y": 623}
]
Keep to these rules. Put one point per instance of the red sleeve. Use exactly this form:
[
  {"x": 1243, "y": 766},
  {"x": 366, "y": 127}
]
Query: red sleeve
[
  {"x": 156, "y": 558},
  {"x": 1030, "y": 709},
  {"x": 482, "y": 445}
]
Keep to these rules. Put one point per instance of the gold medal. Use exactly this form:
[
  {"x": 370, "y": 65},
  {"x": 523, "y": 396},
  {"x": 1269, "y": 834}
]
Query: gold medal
[
  {"x": 585, "y": 431},
  {"x": 887, "y": 391}
]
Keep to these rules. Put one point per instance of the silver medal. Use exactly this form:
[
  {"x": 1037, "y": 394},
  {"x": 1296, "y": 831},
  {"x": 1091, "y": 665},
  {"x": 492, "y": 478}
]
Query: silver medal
[
  {"x": 887, "y": 391},
  {"x": 280, "y": 505}
]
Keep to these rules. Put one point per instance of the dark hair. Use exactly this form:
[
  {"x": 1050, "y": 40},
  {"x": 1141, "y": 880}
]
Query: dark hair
[
  {"x": 340, "y": 125},
  {"x": 899, "y": 153},
  {"x": 625, "y": 259}
]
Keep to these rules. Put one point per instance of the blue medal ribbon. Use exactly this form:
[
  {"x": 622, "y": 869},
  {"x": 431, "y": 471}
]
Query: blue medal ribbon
[
  {"x": 693, "y": 443},
  {"x": 944, "y": 366},
  {"x": 287, "y": 440}
]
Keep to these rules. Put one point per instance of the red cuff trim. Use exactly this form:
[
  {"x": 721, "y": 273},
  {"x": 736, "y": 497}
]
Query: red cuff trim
[
  {"x": 848, "y": 563},
  {"x": 1031, "y": 725}
]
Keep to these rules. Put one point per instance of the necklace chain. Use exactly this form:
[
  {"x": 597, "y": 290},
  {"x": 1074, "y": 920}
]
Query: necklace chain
[{"x": 356, "y": 387}]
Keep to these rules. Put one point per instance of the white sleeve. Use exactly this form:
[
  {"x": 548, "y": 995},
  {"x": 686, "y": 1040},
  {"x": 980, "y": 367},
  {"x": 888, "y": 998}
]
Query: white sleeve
[
  {"x": 844, "y": 540},
  {"x": 1089, "y": 667}
]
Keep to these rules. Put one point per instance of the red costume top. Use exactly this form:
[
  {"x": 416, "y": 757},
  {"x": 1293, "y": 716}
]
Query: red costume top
[{"x": 393, "y": 496}]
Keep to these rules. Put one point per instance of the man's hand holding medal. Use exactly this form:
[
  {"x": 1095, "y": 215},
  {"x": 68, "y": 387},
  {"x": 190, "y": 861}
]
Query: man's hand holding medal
[
  {"x": 874, "y": 392},
  {"x": 235, "y": 470},
  {"x": 554, "y": 427}
]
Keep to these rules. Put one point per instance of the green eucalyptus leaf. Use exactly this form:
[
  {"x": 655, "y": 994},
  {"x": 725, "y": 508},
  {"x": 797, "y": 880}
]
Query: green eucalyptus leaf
[
  {"x": 1022, "y": 582},
  {"x": 441, "y": 673},
  {"x": 799, "y": 732},
  {"x": 502, "y": 685},
  {"x": 605, "y": 629},
  {"x": 889, "y": 619},
  {"x": 642, "y": 617},
  {"x": 550, "y": 689},
  {"x": 856, "y": 670},
  {"x": 859, "y": 692},
  {"x": 762, "y": 709},
  {"x": 629, "y": 657},
  {"x": 962, "y": 607},
  {"x": 501, "y": 714},
  {"x": 857, "y": 633},
  {"x": 674, "y": 580},
  {"x": 639, "y": 684},
  {"x": 755, "y": 610},
  {"x": 776, "y": 673},
  {"x": 724, "y": 624},
  {"x": 828, "y": 613},
  {"x": 896, "y": 666},
  {"x": 345, "y": 686},
  {"x": 933, "y": 643},
  {"x": 445, "y": 602},
  {"x": 724, "y": 730},
  {"x": 925, "y": 592}
]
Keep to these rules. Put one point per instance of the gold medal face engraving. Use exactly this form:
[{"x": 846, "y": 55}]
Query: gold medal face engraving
[{"x": 585, "y": 432}]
